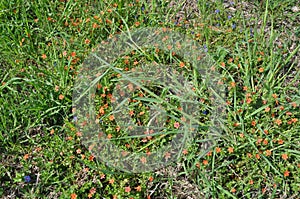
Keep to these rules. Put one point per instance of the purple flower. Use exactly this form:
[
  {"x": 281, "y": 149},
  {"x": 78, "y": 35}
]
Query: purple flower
[
  {"x": 205, "y": 112},
  {"x": 75, "y": 119},
  {"x": 205, "y": 48},
  {"x": 231, "y": 3},
  {"x": 233, "y": 26},
  {"x": 229, "y": 17},
  {"x": 251, "y": 32},
  {"x": 217, "y": 11},
  {"x": 27, "y": 178}
]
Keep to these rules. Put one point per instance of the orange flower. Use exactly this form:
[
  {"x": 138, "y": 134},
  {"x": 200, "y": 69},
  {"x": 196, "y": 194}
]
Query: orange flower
[
  {"x": 26, "y": 156},
  {"x": 185, "y": 152},
  {"x": 176, "y": 125},
  {"x": 218, "y": 149},
  {"x": 205, "y": 162},
  {"x": 44, "y": 56},
  {"x": 278, "y": 122},
  {"x": 91, "y": 158},
  {"x": 150, "y": 179},
  {"x": 294, "y": 104},
  {"x": 257, "y": 156},
  {"x": 261, "y": 69},
  {"x": 233, "y": 190},
  {"x": 250, "y": 181},
  {"x": 286, "y": 173},
  {"x": 61, "y": 97},
  {"x": 233, "y": 84},
  {"x": 294, "y": 120},
  {"x": 268, "y": 152},
  {"x": 127, "y": 189},
  {"x": 253, "y": 123},
  {"x": 248, "y": 100},
  {"x": 222, "y": 64},
  {"x": 230, "y": 150},
  {"x": 280, "y": 141},
  {"x": 265, "y": 142},
  {"x": 111, "y": 181},
  {"x": 181, "y": 64},
  {"x": 267, "y": 109},
  {"x": 138, "y": 188},
  {"x": 274, "y": 96},
  {"x": 73, "y": 196},
  {"x": 111, "y": 117},
  {"x": 284, "y": 156},
  {"x": 109, "y": 136},
  {"x": 87, "y": 41},
  {"x": 143, "y": 160}
]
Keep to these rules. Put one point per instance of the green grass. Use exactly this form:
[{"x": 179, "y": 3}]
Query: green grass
[{"x": 256, "y": 52}]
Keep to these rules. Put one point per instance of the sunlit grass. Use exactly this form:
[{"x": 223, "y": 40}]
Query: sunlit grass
[{"x": 43, "y": 46}]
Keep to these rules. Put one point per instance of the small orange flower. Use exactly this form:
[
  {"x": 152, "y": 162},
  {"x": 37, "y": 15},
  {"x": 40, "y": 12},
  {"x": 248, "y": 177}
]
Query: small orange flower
[
  {"x": 265, "y": 142},
  {"x": 111, "y": 181},
  {"x": 26, "y": 156},
  {"x": 185, "y": 152},
  {"x": 91, "y": 158},
  {"x": 127, "y": 189},
  {"x": 143, "y": 160},
  {"x": 73, "y": 54},
  {"x": 230, "y": 150},
  {"x": 267, "y": 109},
  {"x": 109, "y": 136},
  {"x": 138, "y": 188},
  {"x": 205, "y": 162},
  {"x": 248, "y": 100},
  {"x": 284, "y": 156},
  {"x": 176, "y": 125},
  {"x": 261, "y": 70},
  {"x": 218, "y": 149},
  {"x": 286, "y": 173},
  {"x": 167, "y": 155},
  {"x": 257, "y": 156},
  {"x": 294, "y": 104},
  {"x": 268, "y": 152},
  {"x": 73, "y": 196},
  {"x": 253, "y": 123},
  {"x": 87, "y": 41},
  {"x": 44, "y": 56},
  {"x": 274, "y": 96},
  {"x": 250, "y": 181},
  {"x": 181, "y": 64},
  {"x": 150, "y": 179},
  {"x": 233, "y": 84},
  {"x": 278, "y": 122},
  {"x": 111, "y": 117},
  {"x": 280, "y": 141},
  {"x": 233, "y": 190},
  {"x": 294, "y": 120},
  {"x": 61, "y": 97},
  {"x": 222, "y": 64}
]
